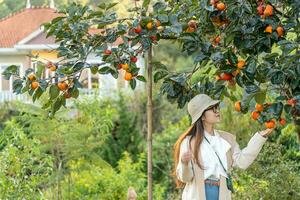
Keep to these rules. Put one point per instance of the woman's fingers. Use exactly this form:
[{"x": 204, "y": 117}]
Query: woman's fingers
[
  {"x": 270, "y": 130},
  {"x": 186, "y": 157},
  {"x": 267, "y": 132}
]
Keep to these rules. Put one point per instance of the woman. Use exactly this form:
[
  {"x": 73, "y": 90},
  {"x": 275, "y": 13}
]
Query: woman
[{"x": 204, "y": 156}]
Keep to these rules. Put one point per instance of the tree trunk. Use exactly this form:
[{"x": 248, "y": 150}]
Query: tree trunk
[
  {"x": 59, "y": 192},
  {"x": 149, "y": 122},
  {"x": 298, "y": 134}
]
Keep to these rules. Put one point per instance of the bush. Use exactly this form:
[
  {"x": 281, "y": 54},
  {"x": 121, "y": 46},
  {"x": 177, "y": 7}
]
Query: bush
[
  {"x": 125, "y": 134},
  {"x": 271, "y": 176},
  {"x": 24, "y": 168},
  {"x": 91, "y": 181},
  {"x": 163, "y": 155}
]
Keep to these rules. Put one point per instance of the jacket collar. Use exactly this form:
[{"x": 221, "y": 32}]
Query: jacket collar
[{"x": 226, "y": 145}]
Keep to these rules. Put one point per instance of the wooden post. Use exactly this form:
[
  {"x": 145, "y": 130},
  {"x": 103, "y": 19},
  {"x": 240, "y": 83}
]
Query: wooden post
[
  {"x": 1, "y": 78},
  {"x": 149, "y": 123},
  {"x": 89, "y": 79}
]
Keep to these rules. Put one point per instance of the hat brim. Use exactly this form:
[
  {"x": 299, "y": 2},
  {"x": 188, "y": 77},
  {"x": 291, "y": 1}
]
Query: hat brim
[{"x": 214, "y": 102}]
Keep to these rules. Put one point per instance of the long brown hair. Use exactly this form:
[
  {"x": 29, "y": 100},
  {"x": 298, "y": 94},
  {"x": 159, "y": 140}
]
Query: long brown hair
[{"x": 197, "y": 131}]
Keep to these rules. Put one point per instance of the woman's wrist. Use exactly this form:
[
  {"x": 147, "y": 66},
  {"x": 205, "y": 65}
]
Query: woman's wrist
[{"x": 265, "y": 136}]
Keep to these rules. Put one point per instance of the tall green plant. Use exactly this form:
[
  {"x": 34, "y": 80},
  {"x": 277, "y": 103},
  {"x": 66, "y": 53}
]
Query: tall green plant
[
  {"x": 125, "y": 135},
  {"x": 67, "y": 138},
  {"x": 24, "y": 167}
]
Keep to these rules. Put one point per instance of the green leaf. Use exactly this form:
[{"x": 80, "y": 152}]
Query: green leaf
[
  {"x": 17, "y": 86},
  {"x": 176, "y": 28},
  {"x": 134, "y": 41},
  {"x": 53, "y": 91},
  {"x": 173, "y": 19},
  {"x": 37, "y": 94},
  {"x": 163, "y": 18},
  {"x": 122, "y": 27},
  {"x": 146, "y": 43},
  {"x": 43, "y": 84},
  {"x": 182, "y": 99},
  {"x": 287, "y": 46},
  {"x": 298, "y": 69},
  {"x": 281, "y": 98},
  {"x": 47, "y": 104},
  {"x": 159, "y": 75},
  {"x": 260, "y": 97},
  {"x": 251, "y": 67},
  {"x": 271, "y": 57},
  {"x": 239, "y": 80},
  {"x": 217, "y": 57},
  {"x": 77, "y": 83},
  {"x": 181, "y": 79},
  {"x": 167, "y": 87},
  {"x": 141, "y": 78},
  {"x": 295, "y": 83},
  {"x": 102, "y": 5},
  {"x": 57, "y": 19},
  {"x": 135, "y": 70},
  {"x": 247, "y": 7},
  {"x": 159, "y": 66},
  {"x": 146, "y": 4},
  {"x": 104, "y": 70},
  {"x": 247, "y": 97},
  {"x": 29, "y": 71},
  {"x": 159, "y": 6},
  {"x": 74, "y": 92},
  {"x": 11, "y": 70},
  {"x": 132, "y": 83},
  {"x": 114, "y": 73},
  {"x": 56, "y": 106},
  {"x": 217, "y": 91},
  {"x": 63, "y": 102},
  {"x": 276, "y": 109},
  {"x": 252, "y": 88},
  {"x": 111, "y": 5},
  {"x": 232, "y": 58},
  {"x": 277, "y": 77},
  {"x": 25, "y": 87},
  {"x": 199, "y": 58},
  {"x": 98, "y": 13},
  {"x": 94, "y": 69},
  {"x": 288, "y": 108},
  {"x": 40, "y": 70}
]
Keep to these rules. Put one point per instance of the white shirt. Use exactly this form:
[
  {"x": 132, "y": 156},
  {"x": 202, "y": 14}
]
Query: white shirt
[{"x": 211, "y": 163}]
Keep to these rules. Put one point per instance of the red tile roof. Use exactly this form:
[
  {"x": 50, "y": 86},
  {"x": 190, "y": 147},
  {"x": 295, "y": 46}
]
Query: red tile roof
[{"x": 19, "y": 25}]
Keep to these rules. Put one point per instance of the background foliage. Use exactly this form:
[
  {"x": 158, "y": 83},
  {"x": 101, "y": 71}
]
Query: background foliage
[{"x": 76, "y": 157}]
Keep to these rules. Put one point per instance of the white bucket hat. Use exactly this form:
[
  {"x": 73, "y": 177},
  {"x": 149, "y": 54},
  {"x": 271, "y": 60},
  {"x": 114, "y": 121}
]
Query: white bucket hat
[{"x": 198, "y": 104}]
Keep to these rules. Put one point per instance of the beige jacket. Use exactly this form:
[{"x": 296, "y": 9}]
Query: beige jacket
[{"x": 194, "y": 188}]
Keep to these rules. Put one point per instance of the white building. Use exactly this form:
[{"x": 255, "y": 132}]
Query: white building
[{"x": 21, "y": 35}]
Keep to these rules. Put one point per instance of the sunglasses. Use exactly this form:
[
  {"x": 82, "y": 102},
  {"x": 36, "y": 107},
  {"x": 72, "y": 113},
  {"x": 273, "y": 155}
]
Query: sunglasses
[{"x": 214, "y": 108}]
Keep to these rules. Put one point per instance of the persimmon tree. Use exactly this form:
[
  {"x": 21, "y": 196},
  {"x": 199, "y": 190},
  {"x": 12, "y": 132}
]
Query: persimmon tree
[{"x": 246, "y": 44}]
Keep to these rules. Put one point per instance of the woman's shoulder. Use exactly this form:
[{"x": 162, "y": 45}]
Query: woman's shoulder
[
  {"x": 185, "y": 142},
  {"x": 227, "y": 135},
  {"x": 186, "y": 139}
]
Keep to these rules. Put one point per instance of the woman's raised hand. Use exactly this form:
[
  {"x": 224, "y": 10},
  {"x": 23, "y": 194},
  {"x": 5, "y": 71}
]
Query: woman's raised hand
[
  {"x": 267, "y": 132},
  {"x": 186, "y": 157}
]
